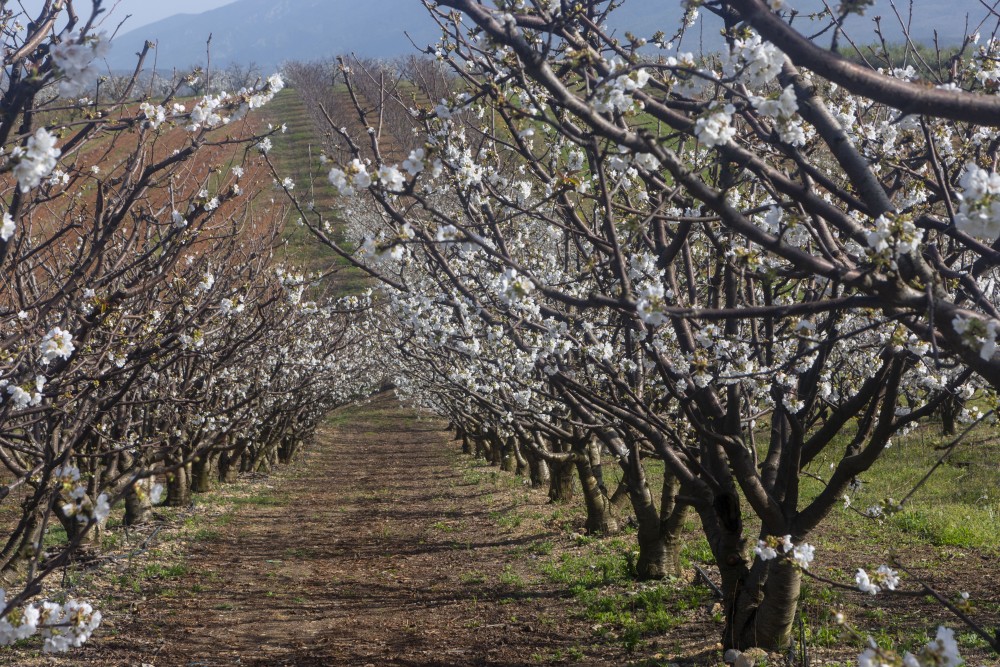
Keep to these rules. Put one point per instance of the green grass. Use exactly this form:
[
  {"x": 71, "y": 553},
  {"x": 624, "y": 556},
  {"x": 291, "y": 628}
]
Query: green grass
[
  {"x": 601, "y": 577},
  {"x": 958, "y": 506},
  {"x": 258, "y": 500},
  {"x": 472, "y": 578},
  {"x": 956, "y": 512},
  {"x": 505, "y": 520},
  {"x": 163, "y": 571},
  {"x": 445, "y": 527},
  {"x": 510, "y": 579},
  {"x": 54, "y": 535},
  {"x": 296, "y": 154}
]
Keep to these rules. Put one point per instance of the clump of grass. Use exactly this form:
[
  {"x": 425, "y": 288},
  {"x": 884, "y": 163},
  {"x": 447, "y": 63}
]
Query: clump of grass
[
  {"x": 258, "y": 500},
  {"x": 164, "y": 571}
]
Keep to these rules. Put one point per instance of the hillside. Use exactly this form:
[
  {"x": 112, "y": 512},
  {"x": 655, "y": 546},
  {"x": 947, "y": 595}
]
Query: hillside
[{"x": 269, "y": 32}]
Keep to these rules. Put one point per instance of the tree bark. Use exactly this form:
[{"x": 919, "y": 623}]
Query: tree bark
[
  {"x": 201, "y": 469},
  {"x": 179, "y": 487},
  {"x": 561, "y": 482},
  {"x": 137, "y": 504},
  {"x": 600, "y": 519}
]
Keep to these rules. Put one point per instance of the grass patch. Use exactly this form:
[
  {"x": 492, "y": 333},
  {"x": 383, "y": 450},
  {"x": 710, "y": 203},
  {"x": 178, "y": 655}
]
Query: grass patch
[
  {"x": 260, "y": 500},
  {"x": 162, "y": 571}
]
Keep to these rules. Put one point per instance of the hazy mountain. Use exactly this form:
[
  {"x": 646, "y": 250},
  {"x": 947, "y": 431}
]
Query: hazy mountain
[{"x": 269, "y": 32}]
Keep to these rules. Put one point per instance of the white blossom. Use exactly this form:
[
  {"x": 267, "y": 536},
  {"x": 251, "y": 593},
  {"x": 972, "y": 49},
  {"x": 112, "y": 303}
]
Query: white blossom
[
  {"x": 36, "y": 160},
  {"x": 57, "y": 344}
]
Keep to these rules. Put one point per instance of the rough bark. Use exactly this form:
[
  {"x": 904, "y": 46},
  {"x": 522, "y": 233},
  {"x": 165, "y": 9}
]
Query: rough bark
[
  {"x": 540, "y": 474},
  {"x": 600, "y": 519},
  {"x": 201, "y": 470},
  {"x": 508, "y": 458},
  {"x": 179, "y": 487},
  {"x": 138, "y": 508},
  {"x": 561, "y": 482}
]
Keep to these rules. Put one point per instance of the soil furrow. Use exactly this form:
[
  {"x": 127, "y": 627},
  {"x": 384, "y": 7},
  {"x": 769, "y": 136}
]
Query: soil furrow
[{"x": 361, "y": 555}]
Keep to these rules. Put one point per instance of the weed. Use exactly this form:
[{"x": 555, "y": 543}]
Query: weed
[
  {"x": 505, "y": 520},
  {"x": 473, "y": 577},
  {"x": 205, "y": 535},
  {"x": 260, "y": 500},
  {"x": 444, "y": 527},
  {"x": 510, "y": 578},
  {"x": 161, "y": 571}
]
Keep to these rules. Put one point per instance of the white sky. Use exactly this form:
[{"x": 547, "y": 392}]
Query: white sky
[{"x": 142, "y": 11}]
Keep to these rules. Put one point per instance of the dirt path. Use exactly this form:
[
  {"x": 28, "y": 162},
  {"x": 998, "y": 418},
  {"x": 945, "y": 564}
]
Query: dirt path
[{"x": 372, "y": 552}]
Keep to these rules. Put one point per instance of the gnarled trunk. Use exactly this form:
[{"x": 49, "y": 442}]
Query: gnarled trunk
[
  {"x": 508, "y": 458},
  {"x": 540, "y": 474},
  {"x": 179, "y": 486},
  {"x": 764, "y": 607},
  {"x": 561, "y": 482},
  {"x": 600, "y": 519},
  {"x": 290, "y": 446},
  {"x": 138, "y": 507},
  {"x": 201, "y": 469}
]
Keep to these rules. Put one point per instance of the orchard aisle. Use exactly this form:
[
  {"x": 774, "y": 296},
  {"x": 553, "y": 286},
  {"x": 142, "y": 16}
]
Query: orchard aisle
[{"x": 373, "y": 549}]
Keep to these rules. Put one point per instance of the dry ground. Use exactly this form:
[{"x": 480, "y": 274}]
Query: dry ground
[
  {"x": 370, "y": 550},
  {"x": 382, "y": 545}
]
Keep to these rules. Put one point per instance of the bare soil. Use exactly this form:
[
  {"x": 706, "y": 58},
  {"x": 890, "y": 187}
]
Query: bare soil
[
  {"x": 363, "y": 558},
  {"x": 383, "y": 545}
]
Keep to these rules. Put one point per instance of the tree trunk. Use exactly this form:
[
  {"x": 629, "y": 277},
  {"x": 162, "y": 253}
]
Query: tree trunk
[
  {"x": 228, "y": 462},
  {"x": 179, "y": 487},
  {"x": 539, "y": 471},
  {"x": 523, "y": 467},
  {"x": 950, "y": 409},
  {"x": 289, "y": 448},
  {"x": 599, "y": 516},
  {"x": 508, "y": 459},
  {"x": 16, "y": 555},
  {"x": 561, "y": 482},
  {"x": 137, "y": 504},
  {"x": 764, "y": 608},
  {"x": 655, "y": 560},
  {"x": 201, "y": 470}
]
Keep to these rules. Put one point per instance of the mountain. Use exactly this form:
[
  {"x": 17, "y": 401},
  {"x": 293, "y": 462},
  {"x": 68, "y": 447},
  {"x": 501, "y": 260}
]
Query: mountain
[{"x": 269, "y": 32}]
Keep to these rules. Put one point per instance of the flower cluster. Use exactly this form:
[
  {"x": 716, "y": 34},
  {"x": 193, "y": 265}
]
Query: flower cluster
[
  {"x": 57, "y": 344},
  {"x": 884, "y": 578},
  {"x": 782, "y": 110},
  {"x": 73, "y": 59},
  {"x": 35, "y": 160},
  {"x": 772, "y": 546},
  {"x": 354, "y": 177},
  {"x": 760, "y": 61},
  {"x": 715, "y": 128},
  {"x": 942, "y": 651},
  {"x": 616, "y": 96},
  {"x": 62, "y": 626},
  {"x": 8, "y": 227},
  {"x": 979, "y": 210},
  {"x": 155, "y": 115}
]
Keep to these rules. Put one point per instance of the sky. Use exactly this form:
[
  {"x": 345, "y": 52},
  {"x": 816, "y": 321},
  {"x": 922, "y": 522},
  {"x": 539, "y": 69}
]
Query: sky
[
  {"x": 147, "y": 11},
  {"x": 142, "y": 11}
]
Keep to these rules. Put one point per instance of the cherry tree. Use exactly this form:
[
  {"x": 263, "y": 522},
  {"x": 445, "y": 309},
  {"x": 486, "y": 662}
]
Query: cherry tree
[
  {"x": 721, "y": 262},
  {"x": 150, "y": 336}
]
